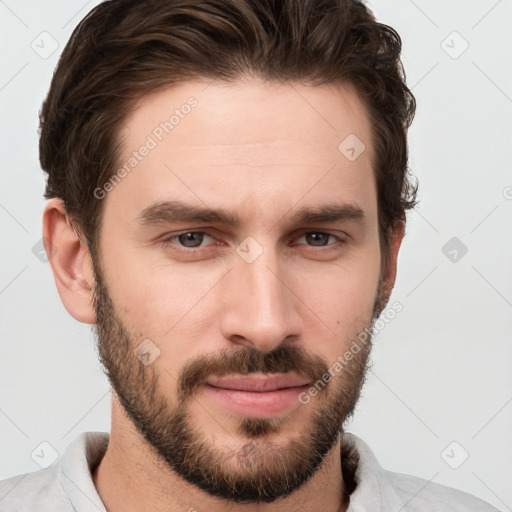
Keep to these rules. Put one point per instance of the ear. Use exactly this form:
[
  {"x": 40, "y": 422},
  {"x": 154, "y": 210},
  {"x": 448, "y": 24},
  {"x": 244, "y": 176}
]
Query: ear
[
  {"x": 70, "y": 261},
  {"x": 389, "y": 275}
]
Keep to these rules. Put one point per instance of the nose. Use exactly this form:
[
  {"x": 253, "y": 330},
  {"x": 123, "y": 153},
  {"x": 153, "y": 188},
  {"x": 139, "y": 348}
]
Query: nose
[{"x": 261, "y": 303}]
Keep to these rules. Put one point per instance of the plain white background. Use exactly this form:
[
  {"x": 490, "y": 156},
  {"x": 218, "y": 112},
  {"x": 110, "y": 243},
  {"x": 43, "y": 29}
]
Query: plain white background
[{"x": 438, "y": 403}]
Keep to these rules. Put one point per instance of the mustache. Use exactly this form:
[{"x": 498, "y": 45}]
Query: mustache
[{"x": 244, "y": 361}]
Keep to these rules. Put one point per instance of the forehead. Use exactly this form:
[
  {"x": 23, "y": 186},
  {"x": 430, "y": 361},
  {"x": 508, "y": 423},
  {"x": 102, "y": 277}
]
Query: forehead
[
  {"x": 250, "y": 112},
  {"x": 246, "y": 142}
]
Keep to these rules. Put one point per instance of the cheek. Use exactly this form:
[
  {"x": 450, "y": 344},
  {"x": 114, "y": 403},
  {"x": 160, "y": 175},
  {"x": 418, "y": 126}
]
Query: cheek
[
  {"x": 341, "y": 296},
  {"x": 151, "y": 289},
  {"x": 168, "y": 304}
]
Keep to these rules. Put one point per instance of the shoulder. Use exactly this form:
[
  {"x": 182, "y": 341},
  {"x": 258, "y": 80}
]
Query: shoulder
[
  {"x": 65, "y": 486},
  {"x": 39, "y": 490},
  {"x": 422, "y": 495},
  {"x": 379, "y": 489}
]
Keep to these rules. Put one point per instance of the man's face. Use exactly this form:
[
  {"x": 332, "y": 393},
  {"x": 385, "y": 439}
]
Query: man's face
[{"x": 272, "y": 294}]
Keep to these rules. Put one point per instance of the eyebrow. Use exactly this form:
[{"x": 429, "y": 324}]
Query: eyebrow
[{"x": 165, "y": 212}]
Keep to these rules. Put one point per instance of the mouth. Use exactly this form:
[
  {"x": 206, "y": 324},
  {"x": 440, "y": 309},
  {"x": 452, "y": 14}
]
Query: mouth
[
  {"x": 258, "y": 382},
  {"x": 258, "y": 396}
]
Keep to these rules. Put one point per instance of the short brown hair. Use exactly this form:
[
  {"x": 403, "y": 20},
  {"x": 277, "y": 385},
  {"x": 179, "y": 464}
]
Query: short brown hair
[{"x": 125, "y": 49}]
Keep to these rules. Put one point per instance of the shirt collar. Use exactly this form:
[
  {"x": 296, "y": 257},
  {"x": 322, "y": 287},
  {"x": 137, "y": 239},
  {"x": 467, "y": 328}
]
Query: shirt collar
[
  {"x": 372, "y": 488},
  {"x": 76, "y": 468}
]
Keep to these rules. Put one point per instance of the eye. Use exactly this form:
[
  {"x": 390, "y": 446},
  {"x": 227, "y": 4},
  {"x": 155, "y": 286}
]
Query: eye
[
  {"x": 317, "y": 238},
  {"x": 187, "y": 239}
]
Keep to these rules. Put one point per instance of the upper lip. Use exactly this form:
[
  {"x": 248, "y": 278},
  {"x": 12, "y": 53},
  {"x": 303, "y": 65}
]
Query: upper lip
[{"x": 258, "y": 382}]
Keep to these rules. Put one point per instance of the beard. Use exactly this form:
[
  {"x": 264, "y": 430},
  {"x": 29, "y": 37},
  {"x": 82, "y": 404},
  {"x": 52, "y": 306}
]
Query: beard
[{"x": 261, "y": 470}]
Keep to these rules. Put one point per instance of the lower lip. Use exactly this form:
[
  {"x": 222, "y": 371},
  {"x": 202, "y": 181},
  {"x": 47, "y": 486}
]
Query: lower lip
[{"x": 257, "y": 404}]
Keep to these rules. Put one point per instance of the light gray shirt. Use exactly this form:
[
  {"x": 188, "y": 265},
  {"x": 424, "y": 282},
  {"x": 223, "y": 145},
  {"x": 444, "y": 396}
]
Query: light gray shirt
[{"x": 67, "y": 485}]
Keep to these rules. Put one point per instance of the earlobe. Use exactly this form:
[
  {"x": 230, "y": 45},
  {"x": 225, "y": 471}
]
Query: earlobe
[{"x": 70, "y": 262}]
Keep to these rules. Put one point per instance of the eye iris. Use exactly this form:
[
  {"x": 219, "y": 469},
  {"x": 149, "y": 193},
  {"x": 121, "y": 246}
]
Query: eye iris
[
  {"x": 184, "y": 238},
  {"x": 318, "y": 237}
]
